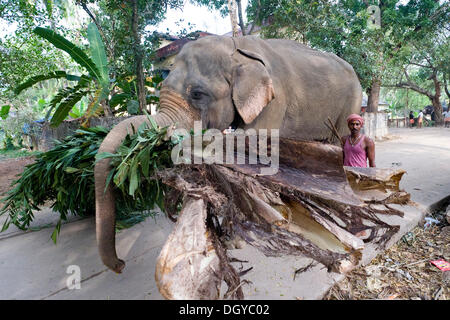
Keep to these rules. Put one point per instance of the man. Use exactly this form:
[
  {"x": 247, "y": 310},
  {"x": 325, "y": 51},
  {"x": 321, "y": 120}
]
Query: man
[
  {"x": 447, "y": 118},
  {"x": 357, "y": 147},
  {"x": 420, "y": 120},
  {"x": 411, "y": 119}
]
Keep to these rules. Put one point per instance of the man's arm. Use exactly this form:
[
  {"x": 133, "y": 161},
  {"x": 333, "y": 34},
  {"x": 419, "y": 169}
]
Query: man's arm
[{"x": 370, "y": 150}]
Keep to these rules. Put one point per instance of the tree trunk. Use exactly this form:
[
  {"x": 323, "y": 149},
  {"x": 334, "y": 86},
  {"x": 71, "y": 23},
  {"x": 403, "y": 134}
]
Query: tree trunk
[
  {"x": 258, "y": 10},
  {"x": 234, "y": 24},
  {"x": 298, "y": 211},
  {"x": 437, "y": 107},
  {"x": 138, "y": 57},
  {"x": 373, "y": 94},
  {"x": 241, "y": 20},
  {"x": 445, "y": 86},
  {"x": 106, "y": 109}
]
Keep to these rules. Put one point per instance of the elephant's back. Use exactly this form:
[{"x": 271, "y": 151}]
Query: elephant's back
[
  {"x": 310, "y": 86},
  {"x": 310, "y": 62}
]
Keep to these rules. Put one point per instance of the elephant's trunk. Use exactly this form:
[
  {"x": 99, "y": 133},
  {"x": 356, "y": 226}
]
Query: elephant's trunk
[{"x": 173, "y": 110}]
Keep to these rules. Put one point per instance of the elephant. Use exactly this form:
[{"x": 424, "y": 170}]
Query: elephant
[{"x": 245, "y": 82}]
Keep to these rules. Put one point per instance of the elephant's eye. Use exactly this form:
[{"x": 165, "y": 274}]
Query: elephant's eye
[{"x": 197, "y": 95}]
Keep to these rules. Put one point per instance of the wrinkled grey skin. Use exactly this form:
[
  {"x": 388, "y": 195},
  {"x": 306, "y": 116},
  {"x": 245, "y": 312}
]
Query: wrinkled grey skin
[{"x": 247, "y": 82}]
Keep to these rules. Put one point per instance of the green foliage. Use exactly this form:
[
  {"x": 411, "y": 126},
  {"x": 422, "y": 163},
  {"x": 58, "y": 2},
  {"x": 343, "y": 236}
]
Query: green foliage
[
  {"x": 64, "y": 176},
  {"x": 97, "y": 68},
  {"x": 98, "y": 54},
  {"x": 142, "y": 152},
  {"x": 22, "y": 55},
  {"x": 76, "y": 53},
  {"x": 341, "y": 27},
  {"x": 53, "y": 75},
  {"x": 221, "y": 5},
  {"x": 133, "y": 107},
  {"x": 65, "y": 99},
  {"x": 78, "y": 111},
  {"x": 66, "y": 105},
  {"x": 14, "y": 153},
  {"x": 9, "y": 143},
  {"x": 125, "y": 100},
  {"x": 4, "y": 111},
  {"x": 402, "y": 100},
  {"x": 11, "y": 128}
]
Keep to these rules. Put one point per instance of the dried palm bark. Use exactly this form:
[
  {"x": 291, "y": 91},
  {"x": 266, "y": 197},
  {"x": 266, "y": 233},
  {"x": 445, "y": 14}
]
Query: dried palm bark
[{"x": 307, "y": 208}]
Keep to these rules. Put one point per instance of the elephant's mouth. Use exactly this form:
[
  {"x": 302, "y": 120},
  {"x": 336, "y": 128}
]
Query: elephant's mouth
[
  {"x": 237, "y": 121},
  {"x": 177, "y": 108}
]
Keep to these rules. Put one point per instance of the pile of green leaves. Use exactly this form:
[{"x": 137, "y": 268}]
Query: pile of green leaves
[
  {"x": 65, "y": 176},
  {"x": 141, "y": 153}
]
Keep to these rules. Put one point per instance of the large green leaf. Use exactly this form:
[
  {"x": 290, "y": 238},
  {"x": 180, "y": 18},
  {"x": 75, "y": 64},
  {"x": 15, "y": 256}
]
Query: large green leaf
[
  {"x": 65, "y": 106},
  {"x": 120, "y": 98},
  {"x": 75, "y": 52},
  {"x": 52, "y": 75},
  {"x": 132, "y": 106},
  {"x": 66, "y": 92},
  {"x": 4, "y": 111},
  {"x": 98, "y": 53}
]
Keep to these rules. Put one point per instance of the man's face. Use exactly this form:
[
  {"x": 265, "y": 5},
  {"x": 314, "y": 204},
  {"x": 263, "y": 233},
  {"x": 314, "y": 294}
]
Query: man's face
[{"x": 354, "y": 126}]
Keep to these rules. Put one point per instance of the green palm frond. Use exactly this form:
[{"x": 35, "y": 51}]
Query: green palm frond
[
  {"x": 66, "y": 92},
  {"x": 66, "y": 105},
  {"x": 98, "y": 53},
  {"x": 120, "y": 98},
  {"x": 52, "y": 75},
  {"x": 75, "y": 52}
]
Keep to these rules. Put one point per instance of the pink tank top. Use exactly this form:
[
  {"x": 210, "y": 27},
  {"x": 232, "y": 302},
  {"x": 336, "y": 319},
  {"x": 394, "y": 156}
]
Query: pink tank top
[{"x": 355, "y": 156}]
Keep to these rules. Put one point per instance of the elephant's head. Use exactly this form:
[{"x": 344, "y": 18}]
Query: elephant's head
[
  {"x": 212, "y": 80},
  {"x": 222, "y": 82}
]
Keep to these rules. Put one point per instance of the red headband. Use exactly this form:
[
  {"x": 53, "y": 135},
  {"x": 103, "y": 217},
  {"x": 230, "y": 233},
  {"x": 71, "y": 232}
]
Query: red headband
[{"x": 355, "y": 117}]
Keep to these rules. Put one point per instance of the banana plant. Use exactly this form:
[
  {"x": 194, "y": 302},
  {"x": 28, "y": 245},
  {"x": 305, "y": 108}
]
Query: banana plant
[{"x": 95, "y": 82}]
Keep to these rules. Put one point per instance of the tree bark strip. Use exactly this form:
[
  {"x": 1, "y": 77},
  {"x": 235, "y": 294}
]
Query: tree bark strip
[{"x": 227, "y": 202}]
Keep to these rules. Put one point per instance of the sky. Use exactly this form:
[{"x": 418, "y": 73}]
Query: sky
[{"x": 200, "y": 17}]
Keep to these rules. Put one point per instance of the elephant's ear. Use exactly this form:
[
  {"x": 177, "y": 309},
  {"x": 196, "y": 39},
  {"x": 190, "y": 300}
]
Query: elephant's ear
[{"x": 252, "y": 85}]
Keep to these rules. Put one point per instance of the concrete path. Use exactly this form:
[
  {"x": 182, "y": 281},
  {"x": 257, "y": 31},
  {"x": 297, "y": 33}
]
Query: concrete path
[
  {"x": 32, "y": 267},
  {"x": 425, "y": 155}
]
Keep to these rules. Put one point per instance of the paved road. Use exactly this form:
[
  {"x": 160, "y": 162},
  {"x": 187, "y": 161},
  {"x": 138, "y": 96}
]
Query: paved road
[
  {"x": 32, "y": 267},
  {"x": 425, "y": 155}
]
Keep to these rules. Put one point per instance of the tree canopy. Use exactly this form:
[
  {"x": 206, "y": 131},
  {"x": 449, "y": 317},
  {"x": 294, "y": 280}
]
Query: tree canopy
[
  {"x": 345, "y": 28},
  {"x": 394, "y": 44}
]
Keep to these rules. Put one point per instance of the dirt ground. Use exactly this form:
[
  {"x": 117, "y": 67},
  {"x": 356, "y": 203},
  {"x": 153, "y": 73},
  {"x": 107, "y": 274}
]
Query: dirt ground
[
  {"x": 9, "y": 169},
  {"x": 404, "y": 271}
]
